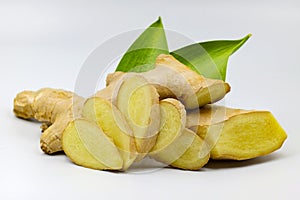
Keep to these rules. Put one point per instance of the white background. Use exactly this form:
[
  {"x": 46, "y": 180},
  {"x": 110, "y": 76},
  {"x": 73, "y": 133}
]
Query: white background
[{"x": 45, "y": 43}]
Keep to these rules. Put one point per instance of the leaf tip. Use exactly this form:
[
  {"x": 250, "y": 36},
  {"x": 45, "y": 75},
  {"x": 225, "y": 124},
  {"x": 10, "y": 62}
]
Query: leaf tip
[
  {"x": 157, "y": 23},
  {"x": 247, "y": 37}
]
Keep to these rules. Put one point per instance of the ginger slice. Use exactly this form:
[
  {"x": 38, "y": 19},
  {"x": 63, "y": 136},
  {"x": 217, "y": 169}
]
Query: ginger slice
[
  {"x": 196, "y": 155},
  {"x": 56, "y": 108},
  {"x": 173, "y": 118},
  {"x": 176, "y": 145},
  {"x": 173, "y": 79},
  {"x": 188, "y": 151},
  {"x": 237, "y": 134},
  {"x": 113, "y": 124},
  {"x": 87, "y": 145},
  {"x": 138, "y": 101}
]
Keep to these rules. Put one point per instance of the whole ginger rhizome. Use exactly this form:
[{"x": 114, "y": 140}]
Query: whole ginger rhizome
[{"x": 165, "y": 113}]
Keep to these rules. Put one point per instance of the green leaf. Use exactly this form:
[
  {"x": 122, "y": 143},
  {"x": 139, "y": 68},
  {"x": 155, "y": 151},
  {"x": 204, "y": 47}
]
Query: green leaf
[
  {"x": 209, "y": 58},
  {"x": 142, "y": 53}
]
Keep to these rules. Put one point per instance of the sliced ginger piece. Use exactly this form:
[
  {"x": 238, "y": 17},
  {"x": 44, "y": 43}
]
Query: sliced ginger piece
[
  {"x": 173, "y": 79},
  {"x": 237, "y": 134},
  {"x": 188, "y": 151},
  {"x": 138, "y": 101},
  {"x": 173, "y": 118},
  {"x": 88, "y": 146},
  {"x": 113, "y": 124},
  {"x": 176, "y": 145},
  {"x": 196, "y": 155}
]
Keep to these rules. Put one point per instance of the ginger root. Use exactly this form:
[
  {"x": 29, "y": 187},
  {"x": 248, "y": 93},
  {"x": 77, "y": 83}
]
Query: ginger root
[
  {"x": 173, "y": 79},
  {"x": 150, "y": 113},
  {"x": 237, "y": 134},
  {"x": 56, "y": 108}
]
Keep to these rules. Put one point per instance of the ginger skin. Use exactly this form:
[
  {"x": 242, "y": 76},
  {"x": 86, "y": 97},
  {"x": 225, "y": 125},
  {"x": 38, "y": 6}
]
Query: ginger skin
[{"x": 55, "y": 108}]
